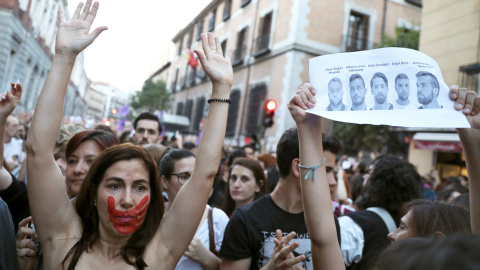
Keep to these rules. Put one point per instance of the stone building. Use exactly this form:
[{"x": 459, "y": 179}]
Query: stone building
[
  {"x": 27, "y": 47},
  {"x": 271, "y": 42},
  {"x": 451, "y": 35}
]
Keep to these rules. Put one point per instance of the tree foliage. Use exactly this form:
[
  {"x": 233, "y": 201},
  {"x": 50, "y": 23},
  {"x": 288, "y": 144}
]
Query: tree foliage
[
  {"x": 361, "y": 137},
  {"x": 405, "y": 38},
  {"x": 153, "y": 96}
]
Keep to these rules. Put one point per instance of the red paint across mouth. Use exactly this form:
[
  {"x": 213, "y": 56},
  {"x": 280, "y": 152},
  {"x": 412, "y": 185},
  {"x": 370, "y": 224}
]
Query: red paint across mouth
[{"x": 127, "y": 222}]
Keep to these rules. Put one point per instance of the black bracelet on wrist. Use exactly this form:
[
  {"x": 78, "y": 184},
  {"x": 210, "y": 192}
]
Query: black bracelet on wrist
[{"x": 227, "y": 100}]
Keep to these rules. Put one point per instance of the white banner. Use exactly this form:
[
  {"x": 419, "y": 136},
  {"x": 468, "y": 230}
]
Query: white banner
[{"x": 388, "y": 86}]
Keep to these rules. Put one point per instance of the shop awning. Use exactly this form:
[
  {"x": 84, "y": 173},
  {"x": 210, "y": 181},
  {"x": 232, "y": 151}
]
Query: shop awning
[{"x": 440, "y": 142}]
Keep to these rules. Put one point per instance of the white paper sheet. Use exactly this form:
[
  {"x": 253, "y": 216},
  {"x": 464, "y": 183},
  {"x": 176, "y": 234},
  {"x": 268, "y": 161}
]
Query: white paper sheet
[{"x": 409, "y": 100}]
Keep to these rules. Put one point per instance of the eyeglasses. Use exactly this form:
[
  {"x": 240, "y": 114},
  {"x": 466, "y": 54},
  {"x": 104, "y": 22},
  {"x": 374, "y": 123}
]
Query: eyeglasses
[{"x": 182, "y": 177}]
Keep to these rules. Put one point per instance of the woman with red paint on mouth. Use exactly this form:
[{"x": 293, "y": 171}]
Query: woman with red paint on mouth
[
  {"x": 246, "y": 183},
  {"x": 118, "y": 221}
]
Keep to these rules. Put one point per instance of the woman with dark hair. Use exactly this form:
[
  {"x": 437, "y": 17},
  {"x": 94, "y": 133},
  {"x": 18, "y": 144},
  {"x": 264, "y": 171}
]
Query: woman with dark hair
[
  {"x": 118, "y": 220},
  {"x": 81, "y": 151},
  {"x": 176, "y": 168},
  {"x": 246, "y": 183},
  {"x": 425, "y": 218}
]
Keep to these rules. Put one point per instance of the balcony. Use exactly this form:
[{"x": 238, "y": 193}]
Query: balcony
[
  {"x": 353, "y": 44},
  {"x": 261, "y": 44},
  {"x": 239, "y": 55}
]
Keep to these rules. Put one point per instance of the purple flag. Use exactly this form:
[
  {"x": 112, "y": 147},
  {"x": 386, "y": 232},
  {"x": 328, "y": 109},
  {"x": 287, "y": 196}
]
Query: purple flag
[
  {"x": 121, "y": 124},
  {"x": 124, "y": 111}
]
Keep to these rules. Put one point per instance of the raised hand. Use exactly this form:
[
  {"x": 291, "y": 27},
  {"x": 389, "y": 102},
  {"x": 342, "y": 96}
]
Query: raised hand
[
  {"x": 10, "y": 99},
  {"x": 303, "y": 99},
  {"x": 468, "y": 102},
  {"x": 218, "y": 68},
  {"x": 282, "y": 256},
  {"x": 74, "y": 36},
  {"x": 26, "y": 249}
]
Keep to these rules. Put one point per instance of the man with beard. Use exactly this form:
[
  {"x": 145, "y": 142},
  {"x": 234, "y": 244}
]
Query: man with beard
[
  {"x": 379, "y": 85},
  {"x": 335, "y": 95},
  {"x": 402, "y": 87},
  {"x": 147, "y": 129},
  {"x": 357, "y": 92},
  {"x": 428, "y": 89}
]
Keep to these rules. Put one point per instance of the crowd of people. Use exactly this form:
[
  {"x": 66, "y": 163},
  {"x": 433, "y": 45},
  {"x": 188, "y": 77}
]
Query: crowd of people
[{"x": 96, "y": 200}]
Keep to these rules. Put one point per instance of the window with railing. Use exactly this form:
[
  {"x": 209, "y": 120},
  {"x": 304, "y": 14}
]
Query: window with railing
[
  {"x": 224, "y": 47},
  {"x": 227, "y": 9},
  {"x": 211, "y": 20},
  {"x": 179, "y": 108},
  {"x": 233, "y": 113},
  {"x": 174, "y": 85},
  {"x": 199, "y": 29},
  {"x": 180, "y": 47},
  {"x": 239, "y": 52},
  {"x": 258, "y": 94},
  {"x": 357, "y": 34},
  {"x": 262, "y": 42},
  {"x": 188, "y": 109},
  {"x": 199, "y": 107},
  {"x": 245, "y": 2},
  {"x": 190, "y": 38}
]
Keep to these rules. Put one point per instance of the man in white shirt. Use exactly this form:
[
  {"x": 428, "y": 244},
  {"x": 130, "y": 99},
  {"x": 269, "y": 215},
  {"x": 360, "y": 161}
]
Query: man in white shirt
[{"x": 13, "y": 147}]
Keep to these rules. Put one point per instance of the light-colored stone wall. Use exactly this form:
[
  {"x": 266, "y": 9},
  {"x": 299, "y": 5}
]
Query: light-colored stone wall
[{"x": 451, "y": 34}]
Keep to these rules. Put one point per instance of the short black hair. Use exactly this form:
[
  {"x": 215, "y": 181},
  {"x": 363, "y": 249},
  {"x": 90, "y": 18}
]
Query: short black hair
[
  {"x": 147, "y": 116},
  {"x": 288, "y": 149},
  {"x": 401, "y": 76},
  {"x": 433, "y": 79},
  {"x": 188, "y": 145},
  {"x": 167, "y": 162},
  {"x": 356, "y": 76},
  {"x": 392, "y": 183},
  {"x": 381, "y": 76}
]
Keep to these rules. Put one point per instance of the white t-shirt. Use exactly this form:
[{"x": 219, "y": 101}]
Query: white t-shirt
[
  {"x": 13, "y": 151},
  {"x": 220, "y": 220},
  {"x": 409, "y": 106}
]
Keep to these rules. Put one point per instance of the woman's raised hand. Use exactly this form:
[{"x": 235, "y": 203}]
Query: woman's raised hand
[
  {"x": 10, "y": 99},
  {"x": 74, "y": 36},
  {"x": 468, "y": 102},
  {"x": 218, "y": 68},
  {"x": 303, "y": 99}
]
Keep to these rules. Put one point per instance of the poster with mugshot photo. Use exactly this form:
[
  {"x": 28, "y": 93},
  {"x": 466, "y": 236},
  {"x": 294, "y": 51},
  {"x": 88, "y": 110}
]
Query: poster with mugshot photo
[{"x": 388, "y": 86}]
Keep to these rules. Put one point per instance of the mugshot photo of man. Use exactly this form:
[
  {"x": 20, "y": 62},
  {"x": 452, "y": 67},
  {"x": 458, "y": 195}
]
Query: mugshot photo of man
[
  {"x": 335, "y": 95},
  {"x": 428, "y": 89},
  {"x": 357, "y": 92},
  {"x": 402, "y": 87},
  {"x": 379, "y": 85}
]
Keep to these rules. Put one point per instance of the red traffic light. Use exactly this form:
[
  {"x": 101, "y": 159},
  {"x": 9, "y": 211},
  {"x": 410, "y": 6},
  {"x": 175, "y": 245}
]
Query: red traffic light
[
  {"x": 271, "y": 105},
  {"x": 114, "y": 111}
]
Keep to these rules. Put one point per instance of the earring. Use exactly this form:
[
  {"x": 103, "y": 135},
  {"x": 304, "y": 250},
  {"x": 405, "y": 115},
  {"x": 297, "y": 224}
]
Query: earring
[{"x": 95, "y": 203}]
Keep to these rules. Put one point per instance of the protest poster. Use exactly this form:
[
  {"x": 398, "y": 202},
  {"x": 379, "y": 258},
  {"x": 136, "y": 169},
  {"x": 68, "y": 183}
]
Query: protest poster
[{"x": 388, "y": 86}]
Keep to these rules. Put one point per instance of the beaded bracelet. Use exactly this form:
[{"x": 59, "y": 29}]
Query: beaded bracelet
[
  {"x": 227, "y": 100},
  {"x": 312, "y": 168}
]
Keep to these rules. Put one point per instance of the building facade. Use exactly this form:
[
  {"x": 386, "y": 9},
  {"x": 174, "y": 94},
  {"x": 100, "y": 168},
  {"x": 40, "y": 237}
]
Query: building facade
[
  {"x": 271, "y": 42},
  {"x": 27, "y": 47},
  {"x": 451, "y": 35}
]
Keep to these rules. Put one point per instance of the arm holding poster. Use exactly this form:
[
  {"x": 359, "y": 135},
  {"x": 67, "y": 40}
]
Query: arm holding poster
[{"x": 469, "y": 103}]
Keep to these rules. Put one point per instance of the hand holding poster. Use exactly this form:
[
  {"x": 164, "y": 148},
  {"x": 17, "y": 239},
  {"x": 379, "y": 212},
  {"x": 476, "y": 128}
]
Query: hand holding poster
[{"x": 389, "y": 86}]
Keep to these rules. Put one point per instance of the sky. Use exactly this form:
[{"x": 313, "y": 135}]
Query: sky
[{"x": 138, "y": 31}]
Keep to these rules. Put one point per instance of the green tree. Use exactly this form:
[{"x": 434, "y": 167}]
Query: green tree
[
  {"x": 153, "y": 96},
  {"x": 405, "y": 38},
  {"x": 361, "y": 137}
]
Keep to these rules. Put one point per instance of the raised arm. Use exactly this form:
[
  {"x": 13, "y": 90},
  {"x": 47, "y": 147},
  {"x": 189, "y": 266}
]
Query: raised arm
[
  {"x": 317, "y": 205},
  {"x": 180, "y": 223},
  {"x": 8, "y": 102},
  {"x": 50, "y": 207},
  {"x": 469, "y": 103}
]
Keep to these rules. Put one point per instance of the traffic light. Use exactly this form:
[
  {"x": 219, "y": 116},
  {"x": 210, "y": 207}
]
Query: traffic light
[
  {"x": 114, "y": 111},
  {"x": 269, "y": 112}
]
